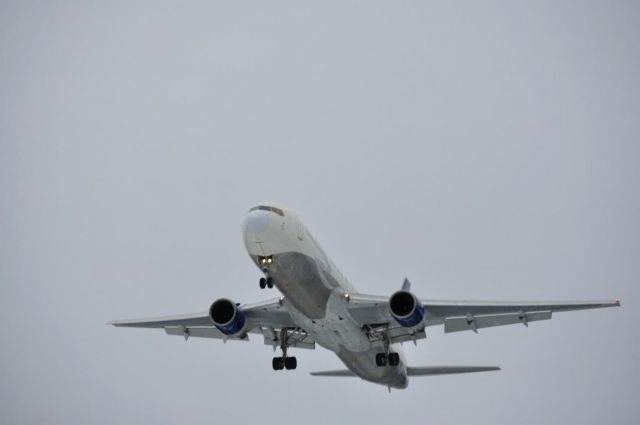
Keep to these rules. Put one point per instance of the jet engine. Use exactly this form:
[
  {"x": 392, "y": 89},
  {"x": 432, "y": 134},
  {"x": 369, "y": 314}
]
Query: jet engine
[
  {"x": 406, "y": 309},
  {"x": 227, "y": 316}
]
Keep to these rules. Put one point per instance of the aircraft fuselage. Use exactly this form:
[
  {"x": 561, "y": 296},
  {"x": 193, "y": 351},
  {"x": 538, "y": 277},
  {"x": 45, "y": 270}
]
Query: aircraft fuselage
[{"x": 315, "y": 289}]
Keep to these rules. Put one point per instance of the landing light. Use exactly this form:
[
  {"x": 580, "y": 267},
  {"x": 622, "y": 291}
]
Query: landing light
[
  {"x": 346, "y": 297},
  {"x": 269, "y": 260}
]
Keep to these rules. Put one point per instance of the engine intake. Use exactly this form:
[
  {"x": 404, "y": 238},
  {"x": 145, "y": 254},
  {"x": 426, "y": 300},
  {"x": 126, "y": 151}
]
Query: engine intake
[
  {"x": 406, "y": 309},
  {"x": 227, "y": 316}
]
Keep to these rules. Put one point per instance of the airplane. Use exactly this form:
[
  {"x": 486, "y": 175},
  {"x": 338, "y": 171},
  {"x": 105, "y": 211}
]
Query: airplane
[{"x": 319, "y": 306}]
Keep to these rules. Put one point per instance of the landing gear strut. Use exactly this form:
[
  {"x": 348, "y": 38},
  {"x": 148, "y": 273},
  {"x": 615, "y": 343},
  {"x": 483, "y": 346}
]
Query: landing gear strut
[
  {"x": 284, "y": 362},
  {"x": 387, "y": 357}
]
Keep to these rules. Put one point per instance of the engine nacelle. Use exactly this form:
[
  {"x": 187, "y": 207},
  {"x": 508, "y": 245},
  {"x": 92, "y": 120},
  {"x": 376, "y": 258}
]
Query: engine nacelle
[
  {"x": 227, "y": 316},
  {"x": 406, "y": 309}
]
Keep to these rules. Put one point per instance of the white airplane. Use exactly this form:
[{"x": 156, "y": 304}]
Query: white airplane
[{"x": 319, "y": 305}]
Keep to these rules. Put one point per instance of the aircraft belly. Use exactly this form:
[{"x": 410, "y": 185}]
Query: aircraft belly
[
  {"x": 314, "y": 296},
  {"x": 339, "y": 333},
  {"x": 301, "y": 281}
]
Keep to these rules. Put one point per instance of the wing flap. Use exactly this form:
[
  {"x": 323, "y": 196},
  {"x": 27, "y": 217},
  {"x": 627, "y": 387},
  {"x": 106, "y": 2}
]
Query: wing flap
[
  {"x": 201, "y": 332},
  {"x": 473, "y": 323}
]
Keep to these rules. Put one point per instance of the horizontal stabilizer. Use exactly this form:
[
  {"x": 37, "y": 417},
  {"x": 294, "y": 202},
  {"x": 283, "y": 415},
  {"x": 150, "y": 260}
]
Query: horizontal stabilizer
[
  {"x": 342, "y": 372},
  {"x": 418, "y": 371},
  {"x": 447, "y": 370}
]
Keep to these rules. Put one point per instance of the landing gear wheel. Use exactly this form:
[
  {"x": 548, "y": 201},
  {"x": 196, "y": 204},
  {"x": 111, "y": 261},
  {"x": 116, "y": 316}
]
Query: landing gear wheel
[
  {"x": 290, "y": 363},
  {"x": 381, "y": 359},
  {"x": 394, "y": 359},
  {"x": 269, "y": 282},
  {"x": 278, "y": 363},
  {"x": 263, "y": 282}
]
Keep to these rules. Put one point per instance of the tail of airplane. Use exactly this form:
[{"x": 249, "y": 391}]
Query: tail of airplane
[{"x": 418, "y": 371}]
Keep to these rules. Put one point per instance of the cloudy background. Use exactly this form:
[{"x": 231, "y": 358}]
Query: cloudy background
[{"x": 486, "y": 150}]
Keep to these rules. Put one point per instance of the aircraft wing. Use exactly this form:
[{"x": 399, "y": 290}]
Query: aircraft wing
[
  {"x": 373, "y": 313},
  {"x": 266, "y": 318}
]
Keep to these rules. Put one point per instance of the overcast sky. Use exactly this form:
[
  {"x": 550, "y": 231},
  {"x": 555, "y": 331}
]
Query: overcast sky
[{"x": 485, "y": 150}]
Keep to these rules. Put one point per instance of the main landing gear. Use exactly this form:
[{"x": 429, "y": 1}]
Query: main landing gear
[
  {"x": 288, "y": 363},
  {"x": 384, "y": 359},
  {"x": 265, "y": 263},
  {"x": 387, "y": 357},
  {"x": 284, "y": 362}
]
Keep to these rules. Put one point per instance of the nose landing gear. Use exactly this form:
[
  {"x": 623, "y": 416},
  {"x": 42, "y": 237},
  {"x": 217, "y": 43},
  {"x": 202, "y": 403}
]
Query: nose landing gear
[
  {"x": 266, "y": 282},
  {"x": 265, "y": 263}
]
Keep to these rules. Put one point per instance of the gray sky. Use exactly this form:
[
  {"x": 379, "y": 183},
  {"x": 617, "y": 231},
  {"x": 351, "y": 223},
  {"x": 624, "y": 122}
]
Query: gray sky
[{"x": 486, "y": 150}]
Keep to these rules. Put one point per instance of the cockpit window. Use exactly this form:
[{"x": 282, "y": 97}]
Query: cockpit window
[{"x": 266, "y": 208}]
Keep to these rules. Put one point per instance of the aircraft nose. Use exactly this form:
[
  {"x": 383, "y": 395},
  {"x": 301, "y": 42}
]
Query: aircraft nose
[{"x": 256, "y": 222}]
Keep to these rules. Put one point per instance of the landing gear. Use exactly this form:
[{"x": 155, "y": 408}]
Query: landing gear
[
  {"x": 289, "y": 363},
  {"x": 284, "y": 362},
  {"x": 277, "y": 363},
  {"x": 266, "y": 282},
  {"x": 384, "y": 359},
  {"x": 387, "y": 357},
  {"x": 265, "y": 264}
]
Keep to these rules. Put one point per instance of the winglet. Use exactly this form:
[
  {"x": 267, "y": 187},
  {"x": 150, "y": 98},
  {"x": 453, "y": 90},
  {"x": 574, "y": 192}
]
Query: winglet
[{"x": 406, "y": 286}]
